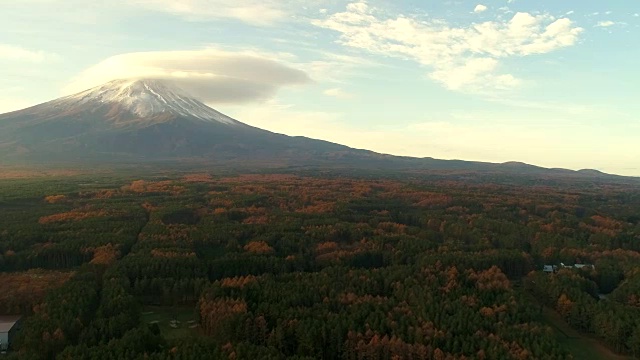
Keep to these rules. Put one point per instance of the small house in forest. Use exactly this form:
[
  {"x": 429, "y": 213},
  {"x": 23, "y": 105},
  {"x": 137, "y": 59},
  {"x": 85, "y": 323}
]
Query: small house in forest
[
  {"x": 9, "y": 325},
  {"x": 549, "y": 268},
  {"x": 582, "y": 266}
]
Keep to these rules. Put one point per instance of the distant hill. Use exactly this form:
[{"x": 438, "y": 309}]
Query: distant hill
[{"x": 592, "y": 172}]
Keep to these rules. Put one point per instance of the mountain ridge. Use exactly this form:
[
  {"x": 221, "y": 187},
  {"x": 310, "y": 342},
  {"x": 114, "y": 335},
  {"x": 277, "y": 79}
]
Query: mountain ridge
[{"x": 142, "y": 120}]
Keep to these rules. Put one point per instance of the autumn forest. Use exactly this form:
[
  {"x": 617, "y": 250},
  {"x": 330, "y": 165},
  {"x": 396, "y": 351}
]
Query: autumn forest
[{"x": 319, "y": 265}]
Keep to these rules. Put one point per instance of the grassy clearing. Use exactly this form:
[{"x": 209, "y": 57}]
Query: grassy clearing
[
  {"x": 583, "y": 347},
  {"x": 174, "y": 322}
]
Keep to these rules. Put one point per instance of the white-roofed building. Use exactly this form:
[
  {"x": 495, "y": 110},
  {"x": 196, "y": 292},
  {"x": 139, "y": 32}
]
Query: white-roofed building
[{"x": 8, "y": 327}]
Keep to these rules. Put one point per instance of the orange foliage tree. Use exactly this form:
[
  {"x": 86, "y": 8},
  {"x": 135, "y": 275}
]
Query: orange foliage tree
[
  {"x": 54, "y": 199},
  {"x": 258, "y": 247}
]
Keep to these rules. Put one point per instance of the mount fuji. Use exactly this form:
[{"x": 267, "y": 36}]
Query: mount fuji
[{"x": 146, "y": 120}]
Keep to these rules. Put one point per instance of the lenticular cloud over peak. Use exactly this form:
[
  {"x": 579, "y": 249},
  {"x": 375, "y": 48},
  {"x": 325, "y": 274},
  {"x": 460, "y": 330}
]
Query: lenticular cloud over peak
[{"x": 217, "y": 76}]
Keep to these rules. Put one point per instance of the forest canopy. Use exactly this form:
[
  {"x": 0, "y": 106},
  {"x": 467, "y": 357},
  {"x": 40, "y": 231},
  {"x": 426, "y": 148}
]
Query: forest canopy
[{"x": 308, "y": 266}]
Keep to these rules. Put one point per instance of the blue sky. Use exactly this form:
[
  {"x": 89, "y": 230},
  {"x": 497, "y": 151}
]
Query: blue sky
[{"x": 552, "y": 83}]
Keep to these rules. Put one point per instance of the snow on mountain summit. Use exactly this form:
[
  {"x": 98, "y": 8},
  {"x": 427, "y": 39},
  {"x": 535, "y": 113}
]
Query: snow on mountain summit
[{"x": 146, "y": 98}]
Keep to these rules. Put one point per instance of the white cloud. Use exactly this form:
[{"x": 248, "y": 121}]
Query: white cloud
[
  {"x": 465, "y": 58},
  {"x": 570, "y": 12},
  {"x": 336, "y": 68},
  {"x": 253, "y": 12},
  {"x": 480, "y": 8},
  {"x": 338, "y": 93},
  {"x": 636, "y": 15},
  {"x": 472, "y": 71},
  {"x": 564, "y": 108},
  {"x": 16, "y": 53},
  {"x": 605, "y": 23},
  {"x": 213, "y": 75}
]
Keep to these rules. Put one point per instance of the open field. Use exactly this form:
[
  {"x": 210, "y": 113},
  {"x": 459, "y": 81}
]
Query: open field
[
  {"x": 174, "y": 322},
  {"x": 581, "y": 346}
]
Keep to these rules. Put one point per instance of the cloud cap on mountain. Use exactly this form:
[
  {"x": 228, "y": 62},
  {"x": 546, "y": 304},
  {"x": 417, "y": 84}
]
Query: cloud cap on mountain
[{"x": 212, "y": 75}]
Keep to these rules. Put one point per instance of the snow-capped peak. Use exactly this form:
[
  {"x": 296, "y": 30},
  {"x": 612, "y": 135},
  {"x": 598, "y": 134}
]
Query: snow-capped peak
[{"x": 145, "y": 97}]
